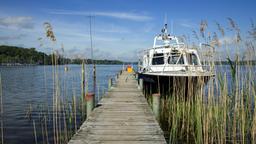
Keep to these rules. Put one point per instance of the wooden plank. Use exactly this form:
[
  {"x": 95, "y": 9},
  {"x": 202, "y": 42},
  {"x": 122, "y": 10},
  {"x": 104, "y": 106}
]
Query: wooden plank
[
  {"x": 115, "y": 137},
  {"x": 122, "y": 117},
  {"x": 123, "y": 131},
  {"x": 116, "y": 127}
]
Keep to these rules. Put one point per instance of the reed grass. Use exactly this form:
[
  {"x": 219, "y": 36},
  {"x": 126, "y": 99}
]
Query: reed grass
[
  {"x": 61, "y": 116},
  {"x": 34, "y": 126}
]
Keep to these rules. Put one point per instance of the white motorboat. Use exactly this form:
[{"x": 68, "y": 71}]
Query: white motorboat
[
  {"x": 171, "y": 60},
  {"x": 170, "y": 57}
]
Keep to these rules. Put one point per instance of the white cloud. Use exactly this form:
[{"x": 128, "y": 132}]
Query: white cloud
[
  {"x": 111, "y": 28},
  {"x": 110, "y": 40},
  {"x": 17, "y": 22},
  {"x": 118, "y": 15}
]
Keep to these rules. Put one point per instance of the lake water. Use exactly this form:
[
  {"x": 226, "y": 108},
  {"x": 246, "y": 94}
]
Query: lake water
[{"x": 29, "y": 88}]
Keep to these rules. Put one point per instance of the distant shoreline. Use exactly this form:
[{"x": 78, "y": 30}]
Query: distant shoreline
[
  {"x": 12, "y": 55},
  {"x": 18, "y": 64},
  {"x": 18, "y": 56}
]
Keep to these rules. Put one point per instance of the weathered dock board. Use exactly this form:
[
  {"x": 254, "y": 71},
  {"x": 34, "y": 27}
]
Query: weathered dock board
[{"x": 124, "y": 117}]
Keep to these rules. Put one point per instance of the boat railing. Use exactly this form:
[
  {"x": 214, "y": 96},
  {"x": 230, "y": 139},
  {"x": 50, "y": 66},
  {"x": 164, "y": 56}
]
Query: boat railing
[
  {"x": 181, "y": 67},
  {"x": 173, "y": 46},
  {"x": 186, "y": 67}
]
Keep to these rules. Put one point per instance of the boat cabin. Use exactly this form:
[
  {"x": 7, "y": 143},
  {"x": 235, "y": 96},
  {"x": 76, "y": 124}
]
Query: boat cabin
[{"x": 169, "y": 56}]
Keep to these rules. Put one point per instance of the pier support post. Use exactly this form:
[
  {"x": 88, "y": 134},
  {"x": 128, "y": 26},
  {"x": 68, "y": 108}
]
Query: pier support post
[
  {"x": 117, "y": 77},
  {"x": 89, "y": 103},
  {"x": 140, "y": 84},
  {"x": 136, "y": 76},
  {"x": 83, "y": 89},
  {"x": 156, "y": 104},
  {"x": 109, "y": 83}
]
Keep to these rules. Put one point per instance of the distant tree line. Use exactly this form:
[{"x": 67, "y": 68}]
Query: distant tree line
[{"x": 19, "y": 55}]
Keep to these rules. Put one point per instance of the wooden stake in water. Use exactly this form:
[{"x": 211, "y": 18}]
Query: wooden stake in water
[
  {"x": 94, "y": 77},
  {"x": 109, "y": 83},
  {"x": 82, "y": 87},
  {"x": 156, "y": 104},
  {"x": 89, "y": 103},
  {"x": 98, "y": 96}
]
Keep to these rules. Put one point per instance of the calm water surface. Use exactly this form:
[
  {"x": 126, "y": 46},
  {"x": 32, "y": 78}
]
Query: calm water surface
[{"x": 28, "y": 88}]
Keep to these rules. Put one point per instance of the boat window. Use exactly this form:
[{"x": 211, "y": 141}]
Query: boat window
[
  {"x": 158, "y": 59},
  {"x": 176, "y": 59},
  {"x": 192, "y": 59}
]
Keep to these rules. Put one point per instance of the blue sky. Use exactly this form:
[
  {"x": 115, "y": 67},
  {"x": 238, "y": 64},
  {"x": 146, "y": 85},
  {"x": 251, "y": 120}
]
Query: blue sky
[{"x": 120, "y": 27}]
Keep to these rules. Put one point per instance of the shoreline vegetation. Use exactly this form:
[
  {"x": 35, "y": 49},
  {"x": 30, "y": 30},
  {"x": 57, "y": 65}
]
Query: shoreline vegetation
[{"x": 19, "y": 56}]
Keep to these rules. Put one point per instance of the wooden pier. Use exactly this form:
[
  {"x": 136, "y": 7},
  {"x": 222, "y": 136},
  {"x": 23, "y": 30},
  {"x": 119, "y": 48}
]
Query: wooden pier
[{"x": 123, "y": 117}]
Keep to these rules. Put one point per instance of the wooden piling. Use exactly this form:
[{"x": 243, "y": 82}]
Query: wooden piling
[
  {"x": 156, "y": 105},
  {"x": 116, "y": 77},
  {"x": 82, "y": 80},
  {"x": 141, "y": 84},
  {"x": 89, "y": 103},
  {"x": 109, "y": 83},
  {"x": 83, "y": 88},
  {"x": 94, "y": 78}
]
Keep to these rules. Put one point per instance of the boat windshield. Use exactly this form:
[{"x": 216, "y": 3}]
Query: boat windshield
[
  {"x": 158, "y": 59},
  {"x": 169, "y": 41},
  {"x": 173, "y": 42},
  {"x": 176, "y": 58}
]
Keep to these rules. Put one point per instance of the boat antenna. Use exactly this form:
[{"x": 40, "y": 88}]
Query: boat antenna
[
  {"x": 172, "y": 27},
  {"x": 165, "y": 29},
  {"x": 165, "y": 18},
  {"x": 165, "y": 24}
]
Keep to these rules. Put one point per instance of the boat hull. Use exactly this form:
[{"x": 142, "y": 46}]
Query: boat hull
[{"x": 170, "y": 84}]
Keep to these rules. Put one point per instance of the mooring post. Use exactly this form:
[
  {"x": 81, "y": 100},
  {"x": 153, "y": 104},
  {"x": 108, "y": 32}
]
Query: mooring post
[
  {"x": 82, "y": 80},
  {"x": 140, "y": 84},
  {"x": 136, "y": 76},
  {"x": 116, "y": 77},
  {"x": 83, "y": 89},
  {"x": 109, "y": 83},
  {"x": 156, "y": 104},
  {"x": 89, "y": 103}
]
